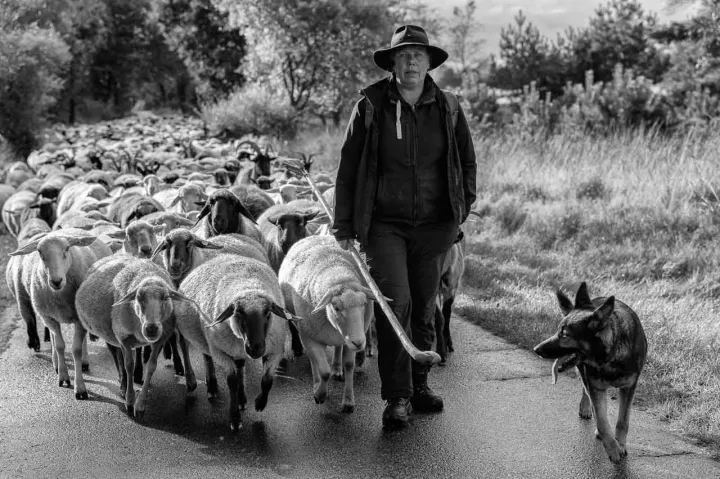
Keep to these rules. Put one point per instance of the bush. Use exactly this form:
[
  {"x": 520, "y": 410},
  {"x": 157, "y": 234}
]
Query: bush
[
  {"x": 252, "y": 110},
  {"x": 31, "y": 62}
]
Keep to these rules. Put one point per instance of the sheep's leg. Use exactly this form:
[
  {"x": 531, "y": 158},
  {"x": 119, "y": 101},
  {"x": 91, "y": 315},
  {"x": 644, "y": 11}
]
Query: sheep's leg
[
  {"x": 210, "y": 377},
  {"x": 336, "y": 368},
  {"x": 232, "y": 382},
  {"x": 190, "y": 379},
  {"x": 348, "y": 402},
  {"x": 296, "y": 343},
  {"x": 138, "y": 368},
  {"x": 177, "y": 362},
  {"x": 321, "y": 374},
  {"x": 447, "y": 312},
  {"x": 129, "y": 358},
  {"x": 58, "y": 352},
  {"x": 46, "y": 336},
  {"x": 79, "y": 348},
  {"x": 242, "y": 398},
  {"x": 116, "y": 354},
  {"x": 150, "y": 366},
  {"x": 85, "y": 356},
  {"x": 270, "y": 364},
  {"x": 28, "y": 315}
]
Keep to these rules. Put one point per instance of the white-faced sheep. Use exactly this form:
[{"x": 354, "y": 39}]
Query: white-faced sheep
[
  {"x": 322, "y": 284},
  {"x": 55, "y": 273},
  {"x": 243, "y": 298},
  {"x": 129, "y": 303},
  {"x": 131, "y": 207},
  {"x": 190, "y": 197},
  {"x": 12, "y": 210},
  {"x": 17, "y": 285}
]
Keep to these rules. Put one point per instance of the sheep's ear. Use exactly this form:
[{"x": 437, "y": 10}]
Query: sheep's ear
[
  {"x": 118, "y": 235},
  {"x": 244, "y": 211},
  {"x": 177, "y": 296},
  {"x": 201, "y": 243},
  {"x": 176, "y": 200},
  {"x": 158, "y": 228},
  {"x": 185, "y": 222},
  {"x": 229, "y": 311},
  {"x": 203, "y": 213},
  {"x": 81, "y": 241},
  {"x": 283, "y": 313},
  {"x": 371, "y": 296},
  {"x": 323, "y": 302},
  {"x": 160, "y": 248},
  {"x": 273, "y": 190},
  {"x": 128, "y": 298},
  {"x": 273, "y": 219},
  {"x": 27, "y": 249},
  {"x": 309, "y": 215}
]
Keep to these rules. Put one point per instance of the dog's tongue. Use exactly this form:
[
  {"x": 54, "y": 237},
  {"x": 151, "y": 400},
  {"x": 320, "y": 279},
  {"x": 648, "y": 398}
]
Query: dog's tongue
[{"x": 562, "y": 363}]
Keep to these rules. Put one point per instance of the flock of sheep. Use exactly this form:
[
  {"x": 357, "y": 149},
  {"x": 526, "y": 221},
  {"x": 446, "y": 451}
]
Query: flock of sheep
[{"x": 148, "y": 235}]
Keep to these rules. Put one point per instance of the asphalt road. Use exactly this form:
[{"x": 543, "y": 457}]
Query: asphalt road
[{"x": 503, "y": 418}]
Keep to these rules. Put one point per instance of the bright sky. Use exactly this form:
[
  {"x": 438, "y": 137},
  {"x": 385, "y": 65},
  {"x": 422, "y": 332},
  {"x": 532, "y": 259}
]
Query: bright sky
[{"x": 549, "y": 16}]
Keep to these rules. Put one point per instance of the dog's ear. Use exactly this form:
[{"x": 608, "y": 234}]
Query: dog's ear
[
  {"x": 582, "y": 298},
  {"x": 601, "y": 315},
  {"x": 565, "y": 304}
]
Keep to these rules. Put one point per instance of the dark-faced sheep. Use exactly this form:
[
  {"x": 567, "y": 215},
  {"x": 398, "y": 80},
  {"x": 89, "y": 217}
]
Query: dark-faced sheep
[{"x": 223, "y": 213}]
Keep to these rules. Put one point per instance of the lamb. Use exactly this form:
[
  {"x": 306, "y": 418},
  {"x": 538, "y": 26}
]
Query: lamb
[
  {"x": 14, "y": 270},
  {"x": 129, "y": 303},
  {"x": 322, "y": 284},
  {"x": 54, "y": 275},
  {"x": 243, "y": 297}
]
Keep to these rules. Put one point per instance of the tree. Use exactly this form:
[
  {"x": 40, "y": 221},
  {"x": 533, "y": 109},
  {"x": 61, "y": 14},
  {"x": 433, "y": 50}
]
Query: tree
[{"x": 464, "y": 44}]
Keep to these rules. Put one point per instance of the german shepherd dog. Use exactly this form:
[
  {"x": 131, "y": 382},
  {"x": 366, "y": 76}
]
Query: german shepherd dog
[{"x": 604, "y": 339}]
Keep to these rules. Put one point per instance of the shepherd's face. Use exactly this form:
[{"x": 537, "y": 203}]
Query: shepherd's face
[{"x": 410, "y": 65}]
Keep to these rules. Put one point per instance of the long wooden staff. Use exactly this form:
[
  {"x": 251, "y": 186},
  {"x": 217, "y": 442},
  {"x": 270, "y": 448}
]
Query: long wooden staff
[{"x": 423, "y": 357}]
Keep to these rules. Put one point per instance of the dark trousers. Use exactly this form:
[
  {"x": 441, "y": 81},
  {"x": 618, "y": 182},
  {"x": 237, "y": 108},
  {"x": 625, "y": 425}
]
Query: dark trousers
[{"x": 406, "y": 263}]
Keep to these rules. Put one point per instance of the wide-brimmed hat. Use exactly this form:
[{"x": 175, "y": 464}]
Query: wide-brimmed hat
[{"x": 409, "y": 35}]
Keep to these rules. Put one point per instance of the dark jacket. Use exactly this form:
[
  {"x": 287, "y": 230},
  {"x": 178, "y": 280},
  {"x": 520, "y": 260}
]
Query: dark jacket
[{"x": 357, "y": 180}]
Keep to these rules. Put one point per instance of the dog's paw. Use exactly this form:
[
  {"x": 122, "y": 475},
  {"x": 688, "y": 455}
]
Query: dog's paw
[
  {"x": 614, "y": 450},
  {"x": 585, "y": 413}
]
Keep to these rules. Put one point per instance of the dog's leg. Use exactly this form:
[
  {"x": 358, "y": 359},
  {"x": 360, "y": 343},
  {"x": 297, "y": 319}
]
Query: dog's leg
[
  {"x": 585, "y": 406},
  {"x": 623, "y": 422},
  {"x": 604, "y": 431}
]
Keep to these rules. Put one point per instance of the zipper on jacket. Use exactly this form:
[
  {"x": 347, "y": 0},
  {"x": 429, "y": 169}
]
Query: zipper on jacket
[{"x": 415, "y": 166}]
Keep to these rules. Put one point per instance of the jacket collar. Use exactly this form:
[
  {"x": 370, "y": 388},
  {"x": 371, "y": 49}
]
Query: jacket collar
[{"x": 386, "y": 88}]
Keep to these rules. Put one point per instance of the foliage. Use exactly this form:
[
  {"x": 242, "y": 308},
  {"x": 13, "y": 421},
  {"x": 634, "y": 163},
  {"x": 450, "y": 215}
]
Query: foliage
[
  {"x": 200, "y": 34},
  {"x": 32, "y": 60},
  {"x": 256, "y": 109},
  {"x": 465, "y": 46}
]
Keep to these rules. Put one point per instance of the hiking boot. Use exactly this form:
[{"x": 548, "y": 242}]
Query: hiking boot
[
  {"x": 424, "y": 399},
  {"x": 396, "y": 413}
]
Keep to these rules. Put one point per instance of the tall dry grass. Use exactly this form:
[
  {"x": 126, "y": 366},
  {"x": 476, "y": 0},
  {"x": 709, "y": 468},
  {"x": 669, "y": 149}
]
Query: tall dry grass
[{"x": 636, "y": 215}]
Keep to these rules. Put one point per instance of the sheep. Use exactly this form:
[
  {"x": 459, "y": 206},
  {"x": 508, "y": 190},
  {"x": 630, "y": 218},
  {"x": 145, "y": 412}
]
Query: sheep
[
  {"x": 189, "y": 196},
  {"x": 6, "y": 191},
  {"x": 31, "y": 184},
  {"x": 169, "y": 220},
  {"x": 322, "y": 284},
  {"x": 184, "y": 251},
  {"x": 260, "y": 165},
  {"x": 284, "y": 225},
  {"x": 244, "y": 298},
  {"x": 54, "y": 275},
  {"x": 224, "y": 213},
  {"x": 253, "y": 198},
  {"x": 76, "y": 192},
  {"x": 128, "y": 303},
  {"x": 139, "y": 238},
  {"x": 132, "y": 206},
  {"x": 12, "y": 210},
  {"x": 14, "y": 270},
  {"x": 453, "y": 269}
]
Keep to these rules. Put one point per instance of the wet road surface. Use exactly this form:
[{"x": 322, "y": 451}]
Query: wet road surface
[{"x": 503, "y": 418}]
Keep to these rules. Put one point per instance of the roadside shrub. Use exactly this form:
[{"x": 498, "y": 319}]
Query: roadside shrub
[
  {"x": 252, "y": 110},
  {"x": 593, "y": 189},
  {"x": 31, "y": 62},
  {"x": 510, "y": 214}
]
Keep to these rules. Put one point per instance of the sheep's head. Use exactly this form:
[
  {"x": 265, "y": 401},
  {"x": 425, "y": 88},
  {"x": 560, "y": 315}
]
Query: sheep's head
[
  {"x": 152, "y": 304},
  {"x": 151, "y": 184},
  {"x": 46, "y": 208},
  {"x": 225, "y": 210},
  {"x": 292, "y": 227},
  {"x": 190, "y": 196},
  {"x": 250, "y": 316},
  {"x": 55, "y": 254},
  {"x": 143, "y": 208},
  {"x": 170, "y": 221},
  {"x": 139, "y": 238},
  {"x": 222, "y": 176},
  {"x": 349, "y": 310},
  {"x": 263, "y": 182},
  {"x": 178, "y": 247}
]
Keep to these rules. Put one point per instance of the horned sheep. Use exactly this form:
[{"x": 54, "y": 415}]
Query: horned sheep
[
  {"x": 322, "y": 284},
  {"x": 54, "y": 275},
  {"x": 243, "y": 298}
]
